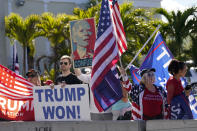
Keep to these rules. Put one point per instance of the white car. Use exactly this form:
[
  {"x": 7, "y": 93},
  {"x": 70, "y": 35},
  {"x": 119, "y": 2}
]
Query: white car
[{"x": 192, "y": 74}]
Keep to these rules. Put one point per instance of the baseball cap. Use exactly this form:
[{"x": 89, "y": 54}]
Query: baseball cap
[
  {"x": 146, "y": 71},
  {"x": 32, "y": 73}
]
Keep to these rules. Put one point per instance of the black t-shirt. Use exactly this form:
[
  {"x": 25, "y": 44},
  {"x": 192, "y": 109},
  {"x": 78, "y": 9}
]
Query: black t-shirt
[{"x": 69, "y": 79}]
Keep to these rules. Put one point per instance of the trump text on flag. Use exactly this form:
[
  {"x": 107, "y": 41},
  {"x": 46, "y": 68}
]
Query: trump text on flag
[
  {"x": 13, "y": 108},
  {"x": 62, "y": 104},
  {"x": 158, "y": 57}
]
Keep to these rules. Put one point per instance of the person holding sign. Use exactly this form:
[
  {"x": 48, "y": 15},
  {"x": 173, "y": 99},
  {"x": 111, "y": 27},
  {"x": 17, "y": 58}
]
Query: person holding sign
[
  {"x": 86, "y": 78},
  {"x": 177, "y": 99},
  {"x": 66, "y": 76},
  {"x": 34, "y": 77}
]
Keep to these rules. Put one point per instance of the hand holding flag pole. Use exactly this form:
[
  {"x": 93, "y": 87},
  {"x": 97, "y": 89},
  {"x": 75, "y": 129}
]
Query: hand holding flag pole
[{"x": 129, "y": 65}]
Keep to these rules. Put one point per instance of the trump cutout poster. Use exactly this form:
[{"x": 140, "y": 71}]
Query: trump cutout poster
[{"x": 83, "y": 37}]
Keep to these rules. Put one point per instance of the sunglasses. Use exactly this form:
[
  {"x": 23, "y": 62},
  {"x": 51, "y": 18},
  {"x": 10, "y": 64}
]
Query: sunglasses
[
  {"x": 150, "y": 74},
  {"x": 65, "y": 63}
]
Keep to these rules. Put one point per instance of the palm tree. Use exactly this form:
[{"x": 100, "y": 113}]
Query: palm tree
[
  {"x": 93, "y": 11},
  {"x": 92, "y": 3},
  {"x": 24, "y": 31},
  {"x": 138, "y": 25},
  {"x": 192, "y": 51},
  {"x": 179, "y": 26},
  {"x": 56, "y": 29}
]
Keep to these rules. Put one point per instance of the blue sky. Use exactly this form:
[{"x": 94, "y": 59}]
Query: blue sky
[{"x": 177, "y": 4}]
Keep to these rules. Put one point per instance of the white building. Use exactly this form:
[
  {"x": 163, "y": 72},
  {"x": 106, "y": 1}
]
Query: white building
[{"x": 26, "y": 7}]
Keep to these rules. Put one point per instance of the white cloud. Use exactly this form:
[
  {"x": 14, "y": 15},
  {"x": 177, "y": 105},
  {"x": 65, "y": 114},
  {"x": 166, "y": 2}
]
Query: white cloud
[
  {"x": 171, "y": 5},
  {"x": 174, "y": 5}
]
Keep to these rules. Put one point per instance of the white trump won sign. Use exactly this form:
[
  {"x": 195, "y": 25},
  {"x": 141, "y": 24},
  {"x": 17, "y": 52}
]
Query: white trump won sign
[{"x": 61, "y": 104}]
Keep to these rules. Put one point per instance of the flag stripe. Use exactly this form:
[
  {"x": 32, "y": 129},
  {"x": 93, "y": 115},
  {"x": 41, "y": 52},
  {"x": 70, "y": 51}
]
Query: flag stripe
[
  {"x": 13, "y": 95},
  {"x": 136, "y": 111},
  {"x": 105, "y": 53},
  {"x": 103, "y": 49},
  {"x": 21, "y": 87},
  {"x": 103, "y": 37},
  {"x": 120, "y": 30},
  {"x": 118, "y": 26},
  {"x": 15, "y": 91},
  {"x": 103, "y": 64},
  {"x": 117, "y": 12},
  {"x": 15, "y": 98},
  {"x": 24, "y": 82},
  {"x": 14, "y": 85},
  {"x": 104, "y": 68}
]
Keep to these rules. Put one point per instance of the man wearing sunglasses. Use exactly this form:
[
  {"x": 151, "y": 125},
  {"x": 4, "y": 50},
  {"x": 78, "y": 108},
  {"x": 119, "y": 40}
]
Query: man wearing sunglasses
[{"x": 66, "y": 76}]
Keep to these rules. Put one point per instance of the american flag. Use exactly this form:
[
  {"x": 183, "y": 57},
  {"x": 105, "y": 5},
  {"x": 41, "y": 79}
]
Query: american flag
[
  {"x": 136, "y": 103},
  {"x": 13, "y": 86},
  {"x": 15, "y": 66},
  {"x": 136, "y": 94},
  {"x": 118, "y": 26},
  {"x": 106, "y": 51}
]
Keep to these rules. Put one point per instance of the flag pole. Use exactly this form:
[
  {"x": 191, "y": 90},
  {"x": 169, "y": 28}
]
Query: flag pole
[
  {"x": 121, "y": 65},
  {"x": 129, "y": 65}
]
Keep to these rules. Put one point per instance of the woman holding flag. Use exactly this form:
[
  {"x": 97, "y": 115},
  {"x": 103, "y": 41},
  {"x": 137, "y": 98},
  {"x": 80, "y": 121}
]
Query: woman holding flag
[
  {"x": 149, "y": 101},
  {"x": 179, "y": 103}
]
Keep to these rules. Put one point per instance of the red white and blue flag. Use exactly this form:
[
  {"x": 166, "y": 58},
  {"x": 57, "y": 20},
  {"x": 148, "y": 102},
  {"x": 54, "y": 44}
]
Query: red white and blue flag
[
  {"x": 105, "y": 86},
  {"x": 118, "y": 26},
  {"x": 16, "y": 96}
]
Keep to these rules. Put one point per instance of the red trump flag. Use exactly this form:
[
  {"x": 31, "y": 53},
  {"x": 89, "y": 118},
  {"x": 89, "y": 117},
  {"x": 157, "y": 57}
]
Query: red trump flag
[{"x": 16, "y": 98}]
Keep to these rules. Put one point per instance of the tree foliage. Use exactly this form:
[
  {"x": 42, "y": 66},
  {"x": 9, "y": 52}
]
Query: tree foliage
[
  {"x": 138, "y": 25},
  {"x": 56, "y": 29},
  {"x": 24, "y": 31},
  {"x": 179, "y": 31},
  {"x": 179, "y": 26}
]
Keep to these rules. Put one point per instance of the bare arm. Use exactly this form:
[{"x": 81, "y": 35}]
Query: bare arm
[
  {"x": 170, "y": 93},
  {"x": 77, "y": 71},
  {"x": 126, "y": 83}
]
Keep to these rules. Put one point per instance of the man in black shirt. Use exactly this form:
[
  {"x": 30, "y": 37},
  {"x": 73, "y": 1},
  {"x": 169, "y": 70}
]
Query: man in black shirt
[{"x": 66, "y": 77}]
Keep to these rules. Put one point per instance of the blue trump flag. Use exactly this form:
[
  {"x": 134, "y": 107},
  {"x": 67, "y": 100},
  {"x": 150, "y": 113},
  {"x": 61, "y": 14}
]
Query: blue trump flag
[
  {"x": 135, "y": 74},
  {"x": 158, "y": 57},
  {"x": 193, "y": 105}
]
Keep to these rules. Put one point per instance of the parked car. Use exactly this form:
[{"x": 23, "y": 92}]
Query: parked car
[{"x": 191, "y": 77}]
